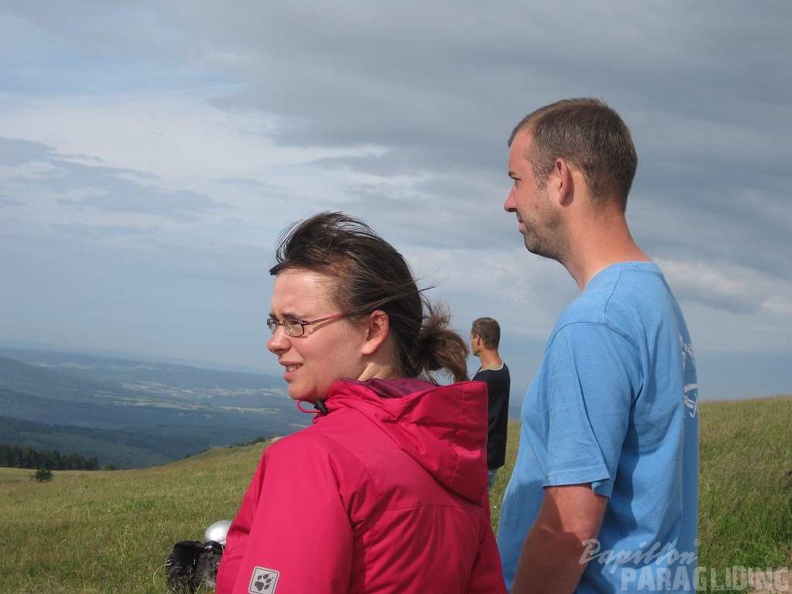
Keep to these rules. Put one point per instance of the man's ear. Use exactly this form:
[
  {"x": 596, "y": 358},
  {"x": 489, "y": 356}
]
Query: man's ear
[
  {"x": 562, "y": 182},
  {"x": 377, "y": 330}
]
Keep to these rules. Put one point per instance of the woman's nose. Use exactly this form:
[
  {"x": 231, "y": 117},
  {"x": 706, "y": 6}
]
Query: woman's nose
[{"x": 279, "y": 341}]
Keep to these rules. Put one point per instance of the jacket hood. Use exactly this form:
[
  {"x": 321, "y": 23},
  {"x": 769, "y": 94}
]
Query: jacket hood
[{"x": 443, "y": 428}]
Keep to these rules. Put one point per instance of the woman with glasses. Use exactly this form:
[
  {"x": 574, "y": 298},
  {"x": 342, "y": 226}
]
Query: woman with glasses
[{"x": 386, "y": 491}]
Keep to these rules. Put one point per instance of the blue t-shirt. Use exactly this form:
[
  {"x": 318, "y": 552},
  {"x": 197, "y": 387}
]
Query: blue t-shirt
[{"x": 614, "y": 404}]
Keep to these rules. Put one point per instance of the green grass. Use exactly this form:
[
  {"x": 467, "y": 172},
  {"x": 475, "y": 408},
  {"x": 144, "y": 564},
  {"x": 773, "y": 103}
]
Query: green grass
[
  {"x": 111, "y": 531},
  {"x": 103, "y": 532},
  {"x": 745, "y": 502}
]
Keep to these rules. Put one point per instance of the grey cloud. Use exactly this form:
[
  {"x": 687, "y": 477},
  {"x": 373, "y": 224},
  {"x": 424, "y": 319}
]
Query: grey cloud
[
  {"x": 440, "y": 213},
  {"x": 125, "y": 196},
  {"x": 107, "y": 189},
  {"x": 354, "y": 71},
  {"x": 85, "y": 232},
  {"x": 5, "y": 201},
  {"x": 709, "y": 110},
  {"x": 741, "y": 374},
  {"x": 256, "y": 186},
  {"x": 441, "y": 87},
  {"x": 18, "y": 152},
  {"x": 247, "y": 182},
  {"x": 717, "y": 221},
  {"x": 735, "y": 304},
  {"x": 97, "y": 25}
]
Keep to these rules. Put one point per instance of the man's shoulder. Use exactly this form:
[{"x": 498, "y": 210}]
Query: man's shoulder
[
  {"x": 488, "y": 372},
  {"x": 619, "y": 294}
]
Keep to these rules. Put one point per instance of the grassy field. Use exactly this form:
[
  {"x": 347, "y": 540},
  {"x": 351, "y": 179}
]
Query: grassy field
[{"x": 103, "y": 532}]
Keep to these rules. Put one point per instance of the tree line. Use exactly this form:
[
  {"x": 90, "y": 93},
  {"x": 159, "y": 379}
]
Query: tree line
[{"x": 14, "y": 456}]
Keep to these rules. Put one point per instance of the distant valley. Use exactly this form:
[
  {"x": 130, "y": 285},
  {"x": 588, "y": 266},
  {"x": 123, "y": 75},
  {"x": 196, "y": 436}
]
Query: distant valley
[{"x": 130, "y": 413}]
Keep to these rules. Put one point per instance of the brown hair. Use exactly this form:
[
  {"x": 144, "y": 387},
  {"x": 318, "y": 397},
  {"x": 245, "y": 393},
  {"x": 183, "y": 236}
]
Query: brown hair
[
  {"x": 370, "y": 274},
  {"x": 588, "y": 134},
  {"x": 488, "y": 330}
]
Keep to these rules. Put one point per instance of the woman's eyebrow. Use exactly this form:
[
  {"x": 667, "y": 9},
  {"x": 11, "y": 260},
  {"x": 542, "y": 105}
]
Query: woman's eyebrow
[{"x": 287, "y": 315}]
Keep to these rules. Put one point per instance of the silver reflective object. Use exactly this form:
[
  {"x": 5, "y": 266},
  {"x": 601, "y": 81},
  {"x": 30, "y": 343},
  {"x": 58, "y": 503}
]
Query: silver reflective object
[{"x": 217, "y": 532}]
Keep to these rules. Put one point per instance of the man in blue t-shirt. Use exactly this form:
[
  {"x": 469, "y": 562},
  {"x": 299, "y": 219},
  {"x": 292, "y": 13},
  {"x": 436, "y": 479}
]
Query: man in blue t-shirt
[{"x": 604, "y": 493}]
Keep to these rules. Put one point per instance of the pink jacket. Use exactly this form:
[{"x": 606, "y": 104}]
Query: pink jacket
[{"x": 386, "y": 493}]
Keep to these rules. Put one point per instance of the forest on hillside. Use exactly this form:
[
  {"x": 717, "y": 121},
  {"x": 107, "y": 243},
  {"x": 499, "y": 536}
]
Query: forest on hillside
[{"x": 14, "y": 456}]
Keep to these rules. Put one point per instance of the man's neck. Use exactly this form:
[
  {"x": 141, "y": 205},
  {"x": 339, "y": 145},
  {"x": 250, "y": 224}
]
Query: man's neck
[
  {"x": 598, "y": 245},
  {"x": 490, "y": 359}
]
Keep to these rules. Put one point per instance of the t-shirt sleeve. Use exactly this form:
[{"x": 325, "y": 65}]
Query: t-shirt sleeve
[
  {"x": 592, "y": 376},
  {"x": 295, "y": 533}
]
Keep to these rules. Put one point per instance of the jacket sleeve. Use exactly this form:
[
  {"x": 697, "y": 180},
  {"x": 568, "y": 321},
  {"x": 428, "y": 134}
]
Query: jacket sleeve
[
  {"x": 487, "y": 574},
  {"x": 292, "y": 532}
]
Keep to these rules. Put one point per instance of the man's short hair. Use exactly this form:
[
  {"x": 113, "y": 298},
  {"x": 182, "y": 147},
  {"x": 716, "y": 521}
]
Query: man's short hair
[
  {"x": 588, "y": 134},
  {"x": 488, "y": 330}
]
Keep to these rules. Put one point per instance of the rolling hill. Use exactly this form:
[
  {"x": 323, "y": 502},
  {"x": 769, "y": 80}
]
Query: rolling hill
[{"x": 132, "y": 413}]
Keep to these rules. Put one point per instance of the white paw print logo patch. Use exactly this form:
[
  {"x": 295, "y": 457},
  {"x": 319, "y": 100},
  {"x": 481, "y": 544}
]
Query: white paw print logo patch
[{"x": 263, "y": 581}]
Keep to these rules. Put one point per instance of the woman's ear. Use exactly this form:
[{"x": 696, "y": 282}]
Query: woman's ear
[{"x": 377, "y": 330}]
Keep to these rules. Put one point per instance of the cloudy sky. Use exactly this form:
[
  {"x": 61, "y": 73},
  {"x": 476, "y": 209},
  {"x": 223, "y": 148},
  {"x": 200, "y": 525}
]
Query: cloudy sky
[{"x": 152, "y": 151}]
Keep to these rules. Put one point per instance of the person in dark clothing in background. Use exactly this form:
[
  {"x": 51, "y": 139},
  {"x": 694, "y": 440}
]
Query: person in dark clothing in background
[{"x": 484, "y": 341}]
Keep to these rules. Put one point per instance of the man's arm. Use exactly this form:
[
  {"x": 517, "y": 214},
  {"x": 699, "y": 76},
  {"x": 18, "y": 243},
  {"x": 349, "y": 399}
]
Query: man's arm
[{"x": 551, "y": 554}]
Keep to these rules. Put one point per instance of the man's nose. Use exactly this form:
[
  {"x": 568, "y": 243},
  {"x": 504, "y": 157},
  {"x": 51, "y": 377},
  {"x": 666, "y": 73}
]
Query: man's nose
[{"x": 510, "y": 205}]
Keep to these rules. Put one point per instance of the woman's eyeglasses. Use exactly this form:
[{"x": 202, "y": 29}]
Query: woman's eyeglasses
[{"x": 296, "y": 328}]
